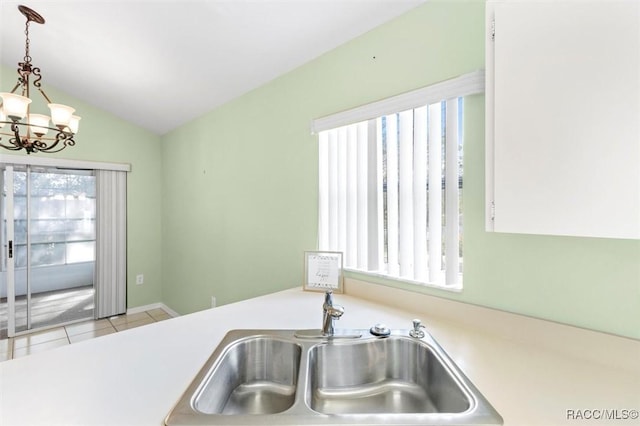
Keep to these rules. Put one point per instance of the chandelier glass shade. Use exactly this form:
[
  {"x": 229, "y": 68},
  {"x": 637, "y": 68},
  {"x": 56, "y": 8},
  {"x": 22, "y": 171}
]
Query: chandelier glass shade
[{"x": 21, "y": 129}]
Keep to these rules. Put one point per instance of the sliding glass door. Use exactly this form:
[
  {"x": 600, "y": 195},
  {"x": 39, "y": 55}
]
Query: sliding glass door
[{"x": 49, "y": 240}]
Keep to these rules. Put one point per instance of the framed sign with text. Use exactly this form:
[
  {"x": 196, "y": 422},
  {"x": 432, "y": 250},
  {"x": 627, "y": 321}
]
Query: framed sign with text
[{"x": 323, "y": 271}]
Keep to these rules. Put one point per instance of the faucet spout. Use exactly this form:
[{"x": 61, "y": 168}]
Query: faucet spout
[{"x": 329, "y": 314}]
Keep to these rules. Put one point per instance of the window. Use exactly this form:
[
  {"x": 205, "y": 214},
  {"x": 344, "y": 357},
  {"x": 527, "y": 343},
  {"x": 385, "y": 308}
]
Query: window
[
  {"x": 62, "y": 217},
  {"x": 390, "y": 186}
]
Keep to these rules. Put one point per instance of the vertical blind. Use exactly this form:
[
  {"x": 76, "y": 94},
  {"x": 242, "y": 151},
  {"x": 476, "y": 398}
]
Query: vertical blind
[
  {"x": 111, "y": 243},
  {"x": 390, "y": 191},
  {"x": 390, "y": 186}
]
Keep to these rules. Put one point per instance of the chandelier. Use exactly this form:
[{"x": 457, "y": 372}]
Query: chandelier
[{"x": 28, "y": 131}]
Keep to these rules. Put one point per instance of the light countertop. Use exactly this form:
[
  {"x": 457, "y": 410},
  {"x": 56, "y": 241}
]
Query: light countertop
[{"x": 136, "y": 376}]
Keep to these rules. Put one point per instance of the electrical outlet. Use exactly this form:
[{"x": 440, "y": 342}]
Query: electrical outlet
[
  {"x": 139, "y": 279},
  {"x": 213, "y": 301}
]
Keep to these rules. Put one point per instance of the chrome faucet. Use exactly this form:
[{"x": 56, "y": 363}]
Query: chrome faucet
[{"x": 329, "y": 313}]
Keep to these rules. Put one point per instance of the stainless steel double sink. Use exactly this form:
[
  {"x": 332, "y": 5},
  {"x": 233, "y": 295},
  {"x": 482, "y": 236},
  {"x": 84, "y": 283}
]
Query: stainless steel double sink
[{"x": 274, "y": 377}]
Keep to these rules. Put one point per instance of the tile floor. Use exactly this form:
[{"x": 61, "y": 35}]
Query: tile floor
[{"x": 40, "y": 341}]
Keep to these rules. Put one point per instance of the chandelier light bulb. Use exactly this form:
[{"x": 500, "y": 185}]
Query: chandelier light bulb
[
  {"x": 61, "y": 115},
  {"x": 39, "y": 124},
  {"x": 15, "y": 106},
  {"x": 3, "y": 117},
  {"x": 74, "y": 124}
]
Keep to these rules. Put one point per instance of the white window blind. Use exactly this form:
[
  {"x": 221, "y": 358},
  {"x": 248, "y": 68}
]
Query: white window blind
[
  {"x": 111, "y": 242},
  {"x": 390, "y": 191}
]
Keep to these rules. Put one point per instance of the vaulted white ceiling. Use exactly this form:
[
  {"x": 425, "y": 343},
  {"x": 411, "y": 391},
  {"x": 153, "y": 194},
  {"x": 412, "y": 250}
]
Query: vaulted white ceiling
[{"x": 161, "y": 63}]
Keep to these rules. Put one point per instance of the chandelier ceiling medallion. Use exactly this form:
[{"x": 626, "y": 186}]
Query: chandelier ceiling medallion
[{"x": 25, "y": 130}]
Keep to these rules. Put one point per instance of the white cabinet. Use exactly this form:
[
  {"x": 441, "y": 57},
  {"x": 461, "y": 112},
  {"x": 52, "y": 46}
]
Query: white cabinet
[{"x": 563, "y": 117}]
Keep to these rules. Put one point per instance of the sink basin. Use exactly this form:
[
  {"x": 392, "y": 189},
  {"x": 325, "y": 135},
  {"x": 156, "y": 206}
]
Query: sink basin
[
  {"x": 393, "y": 375},
  {"x": 256, "y": 375},
  {"x": 284, "y": 377}
]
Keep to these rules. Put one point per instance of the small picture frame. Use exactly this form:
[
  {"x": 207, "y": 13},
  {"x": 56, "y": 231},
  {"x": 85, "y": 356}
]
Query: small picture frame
[{"x": 323, "y": 271}]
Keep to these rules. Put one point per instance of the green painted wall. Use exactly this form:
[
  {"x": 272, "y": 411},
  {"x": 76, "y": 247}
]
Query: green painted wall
[
  {"x": 104, "y": 137},
  {"x": 239, "y": 187}
]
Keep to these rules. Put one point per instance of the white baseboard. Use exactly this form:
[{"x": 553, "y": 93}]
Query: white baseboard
[{"x": 153, "y": 306}]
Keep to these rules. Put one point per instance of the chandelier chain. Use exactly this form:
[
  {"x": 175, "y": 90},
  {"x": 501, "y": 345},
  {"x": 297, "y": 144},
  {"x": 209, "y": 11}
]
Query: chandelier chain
[{"x": 27, "y": 43}]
